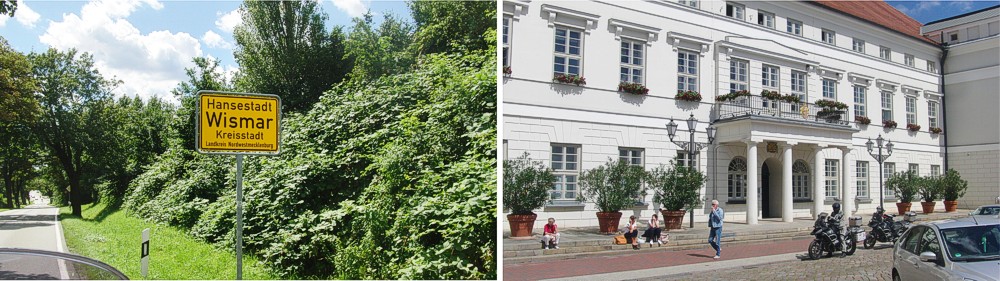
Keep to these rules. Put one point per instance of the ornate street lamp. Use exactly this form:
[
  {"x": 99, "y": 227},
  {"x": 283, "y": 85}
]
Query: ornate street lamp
[
  {"x": 692, "y": 147},
  {"x": 881, "y": 159}
]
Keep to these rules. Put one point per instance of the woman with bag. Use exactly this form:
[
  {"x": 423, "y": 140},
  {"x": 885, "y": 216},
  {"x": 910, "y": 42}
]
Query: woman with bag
[{"x": 632, "y": 232}]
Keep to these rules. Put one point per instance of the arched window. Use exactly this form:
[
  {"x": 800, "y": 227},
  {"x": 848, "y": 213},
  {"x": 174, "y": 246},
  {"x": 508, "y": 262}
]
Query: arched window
[
  {"x": 800, "y": 180},
  {"x": 737, "y": 179}
]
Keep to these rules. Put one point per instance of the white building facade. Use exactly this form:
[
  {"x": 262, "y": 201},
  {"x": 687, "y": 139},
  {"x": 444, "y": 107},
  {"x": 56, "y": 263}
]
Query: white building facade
[{"x": 799, "y": 157}]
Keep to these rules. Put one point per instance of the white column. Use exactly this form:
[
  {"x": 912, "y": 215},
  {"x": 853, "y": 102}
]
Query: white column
[
  {"x": 786, "y": 184},
  {"x": 751, "y": 182},
  {"x": 818, "y": 174},
  {"x": 850, "y": 185}
]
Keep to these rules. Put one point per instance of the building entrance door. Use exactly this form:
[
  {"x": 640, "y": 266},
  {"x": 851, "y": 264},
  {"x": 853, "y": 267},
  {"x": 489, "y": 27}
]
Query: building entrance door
[{"x": 765, "y": 189}]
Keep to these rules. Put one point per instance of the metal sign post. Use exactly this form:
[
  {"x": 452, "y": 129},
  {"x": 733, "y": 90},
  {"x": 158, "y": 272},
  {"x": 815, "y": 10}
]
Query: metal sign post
[{"x": 238, "y": 124}]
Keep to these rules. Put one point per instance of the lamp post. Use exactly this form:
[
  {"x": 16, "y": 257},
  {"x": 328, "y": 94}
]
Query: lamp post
[
  {"x": 881, "y": 159},
  {"x": 690, "y": 146}
]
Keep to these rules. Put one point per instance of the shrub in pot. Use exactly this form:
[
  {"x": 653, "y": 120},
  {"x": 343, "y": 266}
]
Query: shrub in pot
[
  {"x": 929, "y": 189},
  {"x": 675, "y": 188},
  {"x": 904, "y": 184},
  {"x": 613, "y": 186},
  {"x": 952, "y": 187},
  {"x": 526, "y": 185}
]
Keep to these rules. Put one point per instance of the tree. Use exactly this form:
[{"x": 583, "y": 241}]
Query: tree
[
  {"x": 70, "y": 88},
  {"x": 8, "y": 7},
  {"x": 206, "y": 75},
  {"x": 283, "y": 49},
  {"x": 18, "y": 110},
  {"x": 381, "y": 51},
  {"x": 446, "y": 26}
]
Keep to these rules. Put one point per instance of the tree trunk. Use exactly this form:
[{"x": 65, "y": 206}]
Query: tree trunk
[
  {"x": 75, "y": 193},
  {"x": 8, "y": 186}
]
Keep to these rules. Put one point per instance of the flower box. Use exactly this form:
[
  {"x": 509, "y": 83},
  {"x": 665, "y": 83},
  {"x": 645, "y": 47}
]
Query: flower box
[
  {"x": 688, "y": 96},
  {"x": 507, "y": 71},
  {"x": 771, "y": 95},
  {"x": 570, "y": 79},
  {"x": 733, "y": 95},
  {"x": 791, "y": 98},
  {"x": 862, "y": 120},
  {"x": 889, "y": 124},
  {"x": 832, "y": 104},
  {"x": 633, "y": 88},
  {"x": 912, "y": 127},
  {"x": 935, "y": 130},
  {"x": 829, "y": 114}
]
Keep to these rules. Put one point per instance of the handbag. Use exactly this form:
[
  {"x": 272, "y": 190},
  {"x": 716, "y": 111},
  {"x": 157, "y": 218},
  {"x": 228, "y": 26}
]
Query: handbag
[{"x": 620, "y": 239}]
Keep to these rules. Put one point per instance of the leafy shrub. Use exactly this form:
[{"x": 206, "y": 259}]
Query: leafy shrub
[
  {"x": 526, "y": 184},
  {"x": 613, "y": 186}
]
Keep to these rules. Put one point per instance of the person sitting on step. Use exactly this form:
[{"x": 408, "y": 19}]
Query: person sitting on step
[
  {"x": 550, "y": 235},
  {"x": 652, "y": 234},
  {"x": 632, "y": 233}
]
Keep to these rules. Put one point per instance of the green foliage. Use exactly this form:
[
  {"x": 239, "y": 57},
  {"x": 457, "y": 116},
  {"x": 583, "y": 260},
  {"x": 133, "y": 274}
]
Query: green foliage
[
  {"x": 526, "y": 184},
  {"x": 447, "y": 26},
  {"x": 613, "y": 186},
  {"x": 8, "y": 7},
  {"x": 206, "y": 75},
  {"x": 380, "y": 51},
  {"x": 284, "y": 49},
  {"x": 905, "y": 185},
  {"x": 17, "y": 106},
  {"x": 952, "y": 185},
  {"x": 929, "y": 188},
  {"x": 677, "y": 187}
]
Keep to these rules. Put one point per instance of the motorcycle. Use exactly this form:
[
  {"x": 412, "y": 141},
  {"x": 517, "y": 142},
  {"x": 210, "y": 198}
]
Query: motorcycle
[
  {"x": 885, "y": 228},
  {"x": 826, "y": 238}
]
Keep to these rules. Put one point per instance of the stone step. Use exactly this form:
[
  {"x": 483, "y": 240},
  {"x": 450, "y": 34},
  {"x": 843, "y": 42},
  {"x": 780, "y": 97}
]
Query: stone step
[{"x": 674, "y": 238}]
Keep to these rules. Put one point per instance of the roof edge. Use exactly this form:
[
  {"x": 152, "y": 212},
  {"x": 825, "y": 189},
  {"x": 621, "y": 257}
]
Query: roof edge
[
  {"x": 922, "y": 39},
  {"x": 963, "y": 15}
]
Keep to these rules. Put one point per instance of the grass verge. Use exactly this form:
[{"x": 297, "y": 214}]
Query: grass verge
[{"x": 115, "y": 238}]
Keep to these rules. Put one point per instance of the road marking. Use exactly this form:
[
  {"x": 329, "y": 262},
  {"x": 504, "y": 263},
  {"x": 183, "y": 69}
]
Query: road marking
[{"x": 63, "y": 274}]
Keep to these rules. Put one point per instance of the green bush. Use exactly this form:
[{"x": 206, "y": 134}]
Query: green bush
[
  {"x": 613, "y": 186},
  {"x": 905, "y": 185},
  {"x": 526, "y": 184},
  {"x": 952, "y": 185},
  {"x": 677, "y": 187}
]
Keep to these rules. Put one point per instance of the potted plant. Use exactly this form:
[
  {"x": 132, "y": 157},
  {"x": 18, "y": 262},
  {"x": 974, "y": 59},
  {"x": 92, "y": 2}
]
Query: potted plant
[
  {"x": 889, "y": 124},
  {"x": 675, "y": 189},
  {"x": 935, "y": 130},
  {"x": 688, "y": 96},
  {"x": 791, "y": 98},
  {"x": 771, "y": 95},
  {"x": 862, "y": 120},
  {"x": 929, "y": 189},
  {"x": 633, "y": 88},
  {"x": 613, "y": 186},
  {"x": 952, "y": 187},
  {"x": 570, "y": 79},
  {"x": 831, "y": 104},
  {"x": 904, "y": 184},
  {"x": 912, "y": 127},
  {"x": 733, "y": 95},
  {"x": 526, "y": 187}
]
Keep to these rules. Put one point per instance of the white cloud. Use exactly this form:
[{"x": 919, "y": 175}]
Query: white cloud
[
  {"x": 920, "y": 7},
  {"x": 24, "y": 15},
  {"x": 964, "y": 6},
  {"x": 148, "y": 64},
  {"x": 228, "y": 21},
  {"x": 214, "y": 40},
  {"x": 353, "y": 8}
]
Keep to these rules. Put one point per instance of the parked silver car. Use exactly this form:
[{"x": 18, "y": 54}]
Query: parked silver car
[
  {"x": 986, "y": 210},
  {"x": 959, "y": 249}
]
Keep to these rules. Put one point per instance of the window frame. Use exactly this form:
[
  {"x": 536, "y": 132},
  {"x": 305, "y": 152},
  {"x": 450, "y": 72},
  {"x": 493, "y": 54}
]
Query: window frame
[
  {"x": 831, "y": 175},
  {"x": 802, "y": 82},
  {"x": 909, "y": 60},
  {"x": 885, "y": 53},
  {"x": 828, "y": 36},
  {"x": 935, "y": 170},
  {"x": 685, "y": 63},
  {"x": 888, "y": 168},
  {"x": 631, "y": 155},
  {"x": 911, "y": 110},
  {"x": 801, "y": 180},
  {"x": 731, "y": 10},
  {"x": 790, "y": 23},
  {"x": 860, "y": 107},
  {"x": 631, "y": 66},
  {"x": 913, "y": 167},
  {"x": 689, "y": 3},
  {"x": 886, "y": 106},
  {"x": 969, "y": 33},
  {"x": 562, "y": 173},
  {"x": 858, "y": 45},
  {"x": 682, "y": 160},
  {"x": 566, "y": 55},
  {"x": 735, "y": 66},
  {"x": 952, "y": 34},
  {"x": 862, "y": 177},
  {"x": 770, "y": 76},
  {"x": 508, "y": 22},
  {"x": 932, "y": 67},
  {"x": 829, "y": 86},
  {"x": 763, "y": 17},
  {"x": 737, "y": 179},
  {"x": 932, "y": 116}
]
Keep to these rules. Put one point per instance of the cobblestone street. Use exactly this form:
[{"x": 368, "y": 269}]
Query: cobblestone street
[{"x": 873, "y": 264}]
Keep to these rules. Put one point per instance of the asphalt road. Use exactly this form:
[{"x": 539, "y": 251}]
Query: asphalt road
[{"x": 34, "y": 227}]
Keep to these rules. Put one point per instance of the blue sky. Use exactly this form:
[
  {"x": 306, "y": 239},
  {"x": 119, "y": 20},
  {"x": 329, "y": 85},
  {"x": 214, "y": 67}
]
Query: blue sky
[
  {"x": 148, "y": 43},
  {"x": 928, "y": 11}
]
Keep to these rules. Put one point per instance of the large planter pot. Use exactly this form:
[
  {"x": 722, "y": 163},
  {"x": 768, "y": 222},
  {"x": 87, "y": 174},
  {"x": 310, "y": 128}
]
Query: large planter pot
[
  {"x": 673, "y": 219},
  {"x": 928, "y": 207},
  {"x": 950, "y": 205},
  {"x": 903, "y": 207},
  {"x": 608, "y": 221},
  {"x": 521, "y": 225}
]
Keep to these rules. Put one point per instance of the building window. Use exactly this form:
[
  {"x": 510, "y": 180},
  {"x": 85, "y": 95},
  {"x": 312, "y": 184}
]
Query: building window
[
  {"x": 830, "y": 89},
  {"x": 953, "y": 36},
  {"x": 800, "y": 180},
  {"x": 932, "y": 109},
  {"x": 888, "y": 168},
  {"x": 687, "y": 71},
  {"x": 832, "y": 178},
  {"x": 908, "y": 60},
  {"x": 682, "y": 160},
  {"x": 569, "y": 52},
  {"x": 859, "y": 45},
  {"x": 506, "y": 40},
  {"x": 566, "y": 168},
  {"x": 862, "y": 176},
  {"x": 769, "y": 77},
  {"x": 993, "y": 28},
  {"x": 799, "y": 85},
  {"x": 795, "y": 27},
  {"x": 860, "y": 98},
  {"x": 935, "y": 170},
  {"x": 973, "y": 33},
  {"x": 737, "y": 75},
  {"x": 735, "y": 11},
  {"x": 932, "y": 66},
  {"x": 631, "y": 61},
  {"x": 829, "y": 37},
  {"x": 631, "y": 155},
  {"x": 911, "y": 110},
  {"x": 737, "y": 179},
  {"x": 886, "y": 106},
  {"x": 915, "y": 169},
  {"x": 692, "y": 3},
  {"x": 885, "y": 53},
  {"x": 765, "y": 19}
]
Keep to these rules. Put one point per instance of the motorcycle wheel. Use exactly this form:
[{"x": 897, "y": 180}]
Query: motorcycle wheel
[
  {"x": 870, "y": 240},
  {"x": 815, "y": 250},
  {"x": 852, "y": 244}
]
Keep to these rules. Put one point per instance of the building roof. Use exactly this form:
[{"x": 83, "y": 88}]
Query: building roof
[
  {"x": 879, "y": 13},
  {"x": 987, "y": 13}
]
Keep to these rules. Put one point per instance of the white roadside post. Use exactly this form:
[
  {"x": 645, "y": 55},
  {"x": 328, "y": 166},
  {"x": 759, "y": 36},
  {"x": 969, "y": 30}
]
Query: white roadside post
[
  {"x": 144, "y": 260},
  {"x": 238, "y": 124}
]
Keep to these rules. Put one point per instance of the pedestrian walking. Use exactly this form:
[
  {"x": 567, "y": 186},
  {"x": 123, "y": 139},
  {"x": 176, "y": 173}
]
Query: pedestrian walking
[
  {"x": 715, "y": 223},
  {"x": 632, "y": 231}
]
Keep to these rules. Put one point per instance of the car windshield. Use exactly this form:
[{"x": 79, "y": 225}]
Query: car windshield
[
  {"x": 973, "y": 243},
  {"x": 987, "y": 210}
]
